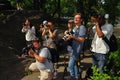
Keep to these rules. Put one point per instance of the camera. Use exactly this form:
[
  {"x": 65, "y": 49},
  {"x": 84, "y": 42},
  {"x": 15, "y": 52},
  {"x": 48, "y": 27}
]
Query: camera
[
  {"x": 43, "y": 27},
  {"x": 27, "y": 48},
  {"x": 67, "y": 34},
  {"x": 64, "y": 40}
]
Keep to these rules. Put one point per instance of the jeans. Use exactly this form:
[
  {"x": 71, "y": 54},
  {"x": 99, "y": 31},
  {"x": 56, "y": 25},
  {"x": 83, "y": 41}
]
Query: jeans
[
  {"x": 70, "y": 50},
  {"x": 99, "y": 60},
  {"x": 73, "y": 67}
]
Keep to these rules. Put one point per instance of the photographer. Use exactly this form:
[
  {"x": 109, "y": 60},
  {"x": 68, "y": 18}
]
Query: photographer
[
  {"x": 30, "y": 34},
  {"x": 43, "y": 60},
  {"x": 50, "y": 36},
  {"x": 77, "y": 43},
  {"x": 68, "y": 32},
  {"x": 99, "y": 48}
]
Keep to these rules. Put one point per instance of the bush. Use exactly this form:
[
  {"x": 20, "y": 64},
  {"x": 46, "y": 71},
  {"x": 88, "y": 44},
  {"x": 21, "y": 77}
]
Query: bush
[
  {"x": 25, "y": 4},
  {"x": 112, "y": 70},
  {"x": 103, "y": 76}
]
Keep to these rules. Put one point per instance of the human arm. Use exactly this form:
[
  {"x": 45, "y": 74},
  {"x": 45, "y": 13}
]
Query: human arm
[
  {"x": 44, "y": 32},
  {"x": 99, "y": 31},
  {"x": 52, "y": 34},
  {"x": 79, "y": 39},
  {"x": 24, "y": 29},
  {"x": 36, "y": 56},
  {"x": 81, "y": 34}
]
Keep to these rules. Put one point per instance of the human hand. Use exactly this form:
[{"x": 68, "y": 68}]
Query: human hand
[
  {"x": 69, "y": 37},
  {"x": 31, "y": 53}
]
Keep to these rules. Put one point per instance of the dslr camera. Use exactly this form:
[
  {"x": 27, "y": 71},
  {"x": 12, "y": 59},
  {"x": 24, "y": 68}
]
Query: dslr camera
[
  {"x": 68, "y": 34},
  {"x": 27, "y": 48},
  {"x": 64, "y": 39},
  {"x": 44, "y": 26}
]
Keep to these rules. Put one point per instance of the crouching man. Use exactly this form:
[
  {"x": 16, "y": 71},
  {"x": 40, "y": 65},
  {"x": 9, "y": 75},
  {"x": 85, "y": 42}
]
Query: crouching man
[{"x": 43, "y": 60}]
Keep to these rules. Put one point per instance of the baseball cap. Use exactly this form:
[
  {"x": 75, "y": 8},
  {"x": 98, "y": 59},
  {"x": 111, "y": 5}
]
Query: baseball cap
[
  {"x": 45, "y": 22},
  {"x": 70, "y": 21}
]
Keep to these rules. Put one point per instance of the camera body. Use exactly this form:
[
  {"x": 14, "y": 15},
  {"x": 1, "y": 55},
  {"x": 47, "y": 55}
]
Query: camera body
[
  {"x": 43, "y": 27},
  {"x": 27, "y": 48},
  {"x": 68, "y": 33},
  {"x": 64, "y": 39}
]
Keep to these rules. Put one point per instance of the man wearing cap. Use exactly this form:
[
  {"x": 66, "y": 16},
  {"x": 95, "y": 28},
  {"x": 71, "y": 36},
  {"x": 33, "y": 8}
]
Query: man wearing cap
[{"x": 50, "y": 36}]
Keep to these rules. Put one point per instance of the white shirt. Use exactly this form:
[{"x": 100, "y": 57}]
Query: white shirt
[
  {"x": 30, "y": 33},
  {"x": 98, "y": 44}
]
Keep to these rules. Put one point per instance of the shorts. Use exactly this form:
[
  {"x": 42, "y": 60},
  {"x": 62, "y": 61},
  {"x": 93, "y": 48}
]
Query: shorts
[
  {"x": 33, "y": 67},
  {"x": 46, "y": 74}
]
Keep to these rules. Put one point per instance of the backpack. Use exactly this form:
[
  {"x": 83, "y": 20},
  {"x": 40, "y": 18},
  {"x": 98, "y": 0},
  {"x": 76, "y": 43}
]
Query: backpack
[
  {"x": 37, "y": 33},
  {"x": 112, "y": 43},
  {"x": 53, "y": 53}
]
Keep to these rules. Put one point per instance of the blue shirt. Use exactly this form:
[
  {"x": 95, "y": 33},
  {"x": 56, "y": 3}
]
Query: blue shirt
[{"x": 77, "y": 46}]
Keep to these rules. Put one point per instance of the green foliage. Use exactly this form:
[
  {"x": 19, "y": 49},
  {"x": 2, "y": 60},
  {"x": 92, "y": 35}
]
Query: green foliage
[
  {"x": 99, "y": 76},
  {"x": 110, "y": 7},
  {"x": 26, "y": 3},
  {"x": 49, "y": 7},
  {"x": 13, "y": 2},
  {"x": 68, "y": 8},
  {"x": 114, "y": 72},
  {"x": 115, "y": 56},
  {"x": 103, "y": 76},
  {"x": 2, "y": 16},
  {"x": 118, "y": 8}
]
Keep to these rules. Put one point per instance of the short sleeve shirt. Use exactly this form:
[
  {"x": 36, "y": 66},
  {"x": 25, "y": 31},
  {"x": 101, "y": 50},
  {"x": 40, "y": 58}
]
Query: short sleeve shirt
[
  {"x": 44, "y": 52},
  {"x": 30, "y": 34},
  {"x": 99, "y": 45},
  {"x": 77, "y": 46}
]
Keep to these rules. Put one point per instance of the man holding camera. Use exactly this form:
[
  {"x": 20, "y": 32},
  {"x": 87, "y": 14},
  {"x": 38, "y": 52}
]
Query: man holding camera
[
  {"x": 30, "y": 34},
  {"x": 68, "y": 32},
  {"x": 43, "y": 60},
  {"x": 77, "y": 43},
  {"x": 29, "y": 31},
  {"x": 99, "y": 48},
  {"x": 50, "y": 37}
]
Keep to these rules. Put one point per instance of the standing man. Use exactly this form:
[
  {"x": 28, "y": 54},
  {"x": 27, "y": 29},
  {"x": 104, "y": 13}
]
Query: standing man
[
  {"x": 77, "y": 43},
  {"x": 99, "y": 48},
  {"x": 50, "y": 35},
  {"x": 43, "y": 60}
]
